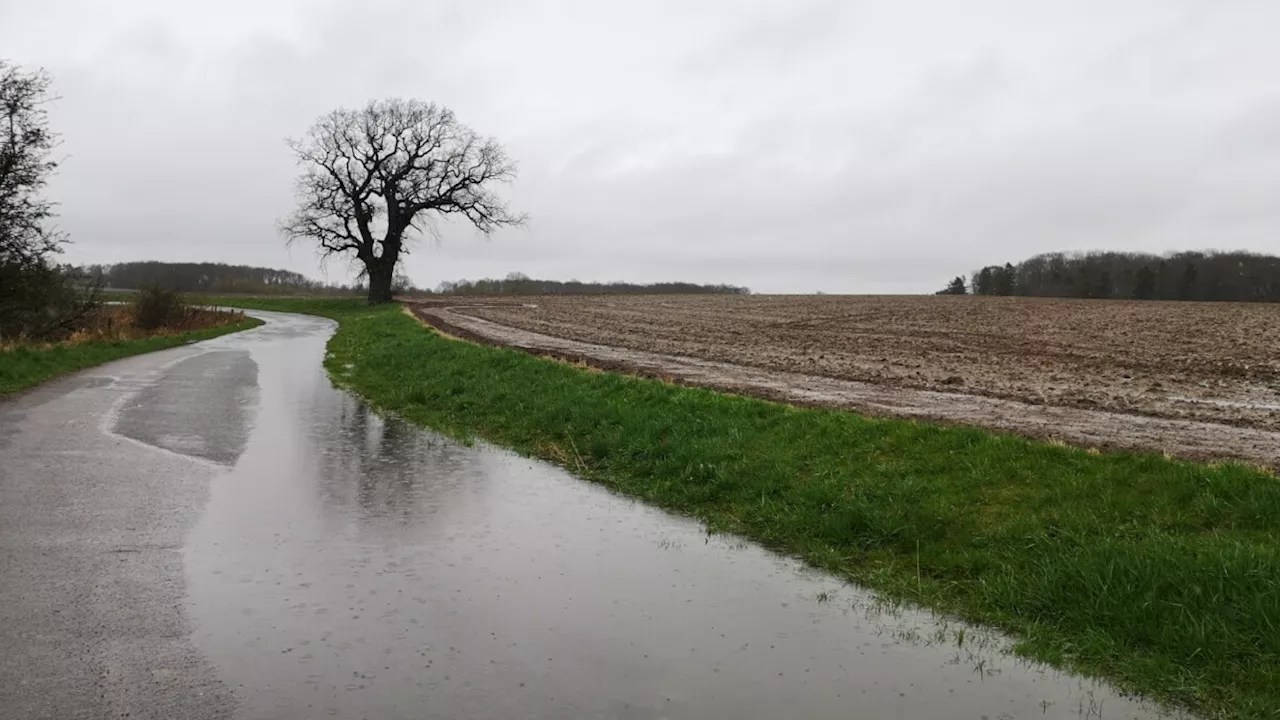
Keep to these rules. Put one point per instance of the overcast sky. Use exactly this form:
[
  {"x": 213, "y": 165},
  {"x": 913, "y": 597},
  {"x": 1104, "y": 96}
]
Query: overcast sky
[{"x": 790, "y": 146}]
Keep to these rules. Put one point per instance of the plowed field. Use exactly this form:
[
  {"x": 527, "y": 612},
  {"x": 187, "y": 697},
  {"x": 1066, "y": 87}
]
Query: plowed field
[{"x": 1216, "y": 363}]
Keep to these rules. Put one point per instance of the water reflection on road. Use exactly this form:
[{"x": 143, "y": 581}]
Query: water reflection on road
[{"x": 354, "y": 567}]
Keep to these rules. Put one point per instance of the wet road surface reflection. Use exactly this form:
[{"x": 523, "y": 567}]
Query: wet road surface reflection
[{"x": 353, "y": 567}]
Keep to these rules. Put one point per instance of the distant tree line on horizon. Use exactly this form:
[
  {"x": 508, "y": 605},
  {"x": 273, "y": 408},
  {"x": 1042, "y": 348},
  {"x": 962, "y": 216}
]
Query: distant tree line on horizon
[
  {"x": 223, "y": 278},
  {"x": 517, "y": 283},
  {"x": 1203, "y": 276},
  {"x": 213, "y": 278}
]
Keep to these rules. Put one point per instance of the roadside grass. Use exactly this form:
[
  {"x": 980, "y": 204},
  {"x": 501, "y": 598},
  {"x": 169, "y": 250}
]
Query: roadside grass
[
  {"x": 1158, "y": 574},
  {"x": 24, "y": 365}
]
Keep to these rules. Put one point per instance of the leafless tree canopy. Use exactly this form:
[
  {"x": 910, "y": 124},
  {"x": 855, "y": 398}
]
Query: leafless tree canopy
[
  {"x": 25, "y": 166},
  {"x": 371, "y": 178},
  {"x": 38, "y": 297}
]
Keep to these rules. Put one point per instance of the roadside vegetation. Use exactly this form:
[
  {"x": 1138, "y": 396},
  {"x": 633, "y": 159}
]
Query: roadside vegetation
[
  {"x": 52, "y": 316},
  {"x": 39, "y": 298},
  {"x": 153, "y": 319},
  {"x": 1161, "y": 575},
  {"x": 215, "y": 278}
]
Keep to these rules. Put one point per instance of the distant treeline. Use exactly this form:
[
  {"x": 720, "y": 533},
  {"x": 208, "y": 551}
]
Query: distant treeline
[
  {"x": 1211, "y": 276},
  {"x": 220, "y": 278},
  {"x": 521, "y": 284},
  {"x": 213, "y": 277}
]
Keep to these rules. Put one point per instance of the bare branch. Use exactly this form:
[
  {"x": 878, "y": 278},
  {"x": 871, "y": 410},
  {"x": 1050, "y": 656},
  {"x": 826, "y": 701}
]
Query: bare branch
[{"x": 25, "y": 166}]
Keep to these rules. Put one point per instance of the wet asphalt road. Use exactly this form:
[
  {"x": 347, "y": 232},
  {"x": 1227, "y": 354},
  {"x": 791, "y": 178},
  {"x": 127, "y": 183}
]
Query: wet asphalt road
[{"x": 215, "y": 532}]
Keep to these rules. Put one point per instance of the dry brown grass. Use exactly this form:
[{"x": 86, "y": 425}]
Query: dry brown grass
[{"x": 109, "y": 323}]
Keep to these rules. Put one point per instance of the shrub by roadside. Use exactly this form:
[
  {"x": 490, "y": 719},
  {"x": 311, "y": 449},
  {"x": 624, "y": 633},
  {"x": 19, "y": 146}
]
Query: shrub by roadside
[{"x": 110, "y": 332}]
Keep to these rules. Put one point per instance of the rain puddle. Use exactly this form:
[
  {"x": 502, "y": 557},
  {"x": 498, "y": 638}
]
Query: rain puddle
[{"x": 350, "y": 566}]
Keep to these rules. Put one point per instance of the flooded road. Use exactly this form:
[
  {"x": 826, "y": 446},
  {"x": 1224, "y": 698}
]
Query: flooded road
[{"x": 314, "y": 560}]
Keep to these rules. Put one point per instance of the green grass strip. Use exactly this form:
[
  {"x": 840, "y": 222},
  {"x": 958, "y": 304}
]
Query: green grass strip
[
  {"x": 22, "y": 367},
  {"x": 1160, "y": 575}
]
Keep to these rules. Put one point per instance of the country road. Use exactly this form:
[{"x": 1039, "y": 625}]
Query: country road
[{"x": 213, "y": 531}]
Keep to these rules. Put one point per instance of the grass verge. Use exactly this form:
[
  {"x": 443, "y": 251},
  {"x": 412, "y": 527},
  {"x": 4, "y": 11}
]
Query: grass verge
[
  {"x": 1160, "y": 575},
  {"x": 23, "y": 366}
]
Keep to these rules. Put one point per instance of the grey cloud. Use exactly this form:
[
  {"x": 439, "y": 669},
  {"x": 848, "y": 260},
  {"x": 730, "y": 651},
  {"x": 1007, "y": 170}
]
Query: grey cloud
[
  {"x": 859, "y": 147},
  {"x": 773, "y": 39}
]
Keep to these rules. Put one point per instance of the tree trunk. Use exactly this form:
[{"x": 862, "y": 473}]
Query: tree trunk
[{"x": 381, "y": 273}]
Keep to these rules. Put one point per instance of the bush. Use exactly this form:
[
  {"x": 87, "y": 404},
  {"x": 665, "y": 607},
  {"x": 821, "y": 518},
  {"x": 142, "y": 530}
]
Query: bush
[
  {"x": 156, "y": 307},
  {"x": 42, "y": 301}
]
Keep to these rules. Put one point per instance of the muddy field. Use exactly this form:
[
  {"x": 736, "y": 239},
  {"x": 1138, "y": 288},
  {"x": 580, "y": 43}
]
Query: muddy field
[{"x": 1213, "y": 362}]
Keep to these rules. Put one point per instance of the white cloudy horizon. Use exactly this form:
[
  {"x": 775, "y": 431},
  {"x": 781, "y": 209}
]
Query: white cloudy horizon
[{"x": 858, "y": 146}]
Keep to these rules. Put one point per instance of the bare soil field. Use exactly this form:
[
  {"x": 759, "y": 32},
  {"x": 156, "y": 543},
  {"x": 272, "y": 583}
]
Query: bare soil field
[{"x": 951, "y": 358}]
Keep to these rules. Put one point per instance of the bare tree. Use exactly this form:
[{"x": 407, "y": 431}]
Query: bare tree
[
  {"x": 38, "y": 297},
  {"x": 373, "y": 178},
  {"x": 955, "y": 287},
  {"x": 25, "y": 166}
]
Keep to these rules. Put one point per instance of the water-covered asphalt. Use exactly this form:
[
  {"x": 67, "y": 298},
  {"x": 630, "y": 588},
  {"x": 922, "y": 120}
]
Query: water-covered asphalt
[{"x": 215, "y": 532}]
